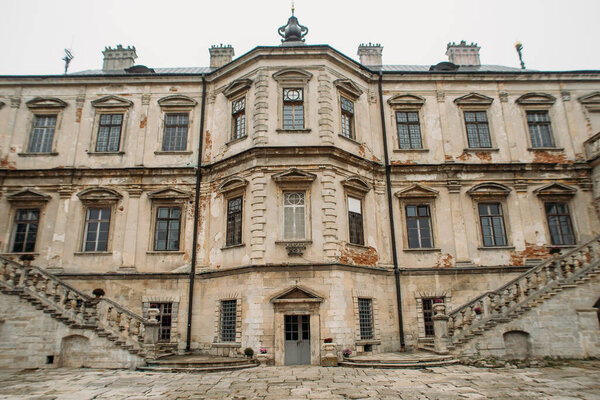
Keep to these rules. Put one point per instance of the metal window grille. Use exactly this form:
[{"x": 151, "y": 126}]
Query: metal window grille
[
  {"x": 109, "y": 132},
  {"x": 409, "y": 130},
  {"x": 293, "y": 108},
  {"x": 26, "y": 226},
  {"x": 478, "y": 131},
  {"x": 347, "y": 109},
  {"x": 540, "y": 130},
  {"x": 559, "y": 223},
  {"x": 42, "y": 134},
  {"x": 418, "y": 226},
  {"x": 166, "y": 236},
  {"x": 428, "y": 314},
  {"x": 176, "y": 128},
  {"x": 238, "y": 113},
  {"x": 97, "y": 223},
  {"x": 294, "y": 215},
  {"x": 228, "y": 320},
  {"x": 355, "y": 221},
  {"x": 365, "y": 318},
  {"x": 164, "y": 319},
  {"x": 234, "y": 221},
  {"x": 492, "y": 224}
]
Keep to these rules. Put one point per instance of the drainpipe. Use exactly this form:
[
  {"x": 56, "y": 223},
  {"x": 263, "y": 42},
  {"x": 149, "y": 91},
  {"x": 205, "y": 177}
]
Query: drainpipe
[
  {"x": 196, "y": 218},
  {"x": 391, "y": 214}
]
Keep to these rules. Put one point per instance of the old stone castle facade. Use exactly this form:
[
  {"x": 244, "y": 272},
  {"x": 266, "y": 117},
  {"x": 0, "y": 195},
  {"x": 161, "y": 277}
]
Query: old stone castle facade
[{"x": 307, "y": 196}]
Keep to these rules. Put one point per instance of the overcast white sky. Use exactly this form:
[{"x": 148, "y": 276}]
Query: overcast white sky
[{"x": 556, "y": 34}]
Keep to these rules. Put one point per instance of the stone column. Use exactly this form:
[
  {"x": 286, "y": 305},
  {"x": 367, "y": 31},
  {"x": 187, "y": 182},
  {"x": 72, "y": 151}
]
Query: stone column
[
  {"x": 59, "y": 235},
  {"x": 440, "y": 328}
]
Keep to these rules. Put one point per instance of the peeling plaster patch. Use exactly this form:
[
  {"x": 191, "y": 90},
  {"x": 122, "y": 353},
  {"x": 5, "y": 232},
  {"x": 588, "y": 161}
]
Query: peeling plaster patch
[
  {"x": 215, "y": 209},
  {"x": 58, "y": 238},
  {"x": 207, "y": 144},
  {"x": 407, "y": 162},
  {"x": 361, "y": 150},
  {"x": 444, "y": 261},
  {"x": 484, "y": 155},
  {"x": 464, "y": 156},
  {"x": 246, "y": 259},
  {"x": 78, "y": 115},
  {"x": 448, "y": 158},
  {"x": 218, "y": 236},
  {"x": 541, "y": 156},
  {"x": 518, "y": 258},
  {"x": 358, "y": 256},
  {"x": 214, "y": 255},
  {"x": 4, "y": 163},
  {"x": 143, "y": 122}
]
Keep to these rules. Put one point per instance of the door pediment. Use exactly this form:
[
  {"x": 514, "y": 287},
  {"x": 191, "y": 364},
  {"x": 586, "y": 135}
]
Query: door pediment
[{"x": 297, "y": 294}]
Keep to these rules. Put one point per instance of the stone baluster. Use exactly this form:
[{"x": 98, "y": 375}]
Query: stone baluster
[
  {"x": 486, "y": 305},
  {"x": 151, "y": 333},
  {"x": 440, "y": 327}
]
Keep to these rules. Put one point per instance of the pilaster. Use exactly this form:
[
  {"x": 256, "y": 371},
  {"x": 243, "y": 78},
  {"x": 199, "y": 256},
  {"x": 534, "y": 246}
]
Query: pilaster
[
  {"x": 258, "y": 218},
  {"x": 261, "y": 109},
  {"x": 329, "y": 209},
  {"x": 325, "y": 109}
]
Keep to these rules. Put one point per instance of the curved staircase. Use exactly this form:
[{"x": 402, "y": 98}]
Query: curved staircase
[
  {"x": 414, "y": 360},
  {"x": 193, "y": 363}
]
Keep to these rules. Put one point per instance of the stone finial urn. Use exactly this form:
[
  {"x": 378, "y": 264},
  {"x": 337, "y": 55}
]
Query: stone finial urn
[
  {"x": 152, "y": 314},
  {"x": 330, "y": 358}
]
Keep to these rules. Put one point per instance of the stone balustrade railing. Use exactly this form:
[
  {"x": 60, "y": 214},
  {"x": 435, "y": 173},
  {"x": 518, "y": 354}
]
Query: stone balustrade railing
[
  {"x": 127, "y": 329},
  {"x": 501, "y": 302}
]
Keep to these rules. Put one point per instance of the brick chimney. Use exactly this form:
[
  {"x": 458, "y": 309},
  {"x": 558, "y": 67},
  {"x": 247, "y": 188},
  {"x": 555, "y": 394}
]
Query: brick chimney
[
  {"x": 370, "y": 54},
  {"x": 118, "y": 58},
  {"x": 463, "y": 53},
  {"x": 220, "y": 55}
]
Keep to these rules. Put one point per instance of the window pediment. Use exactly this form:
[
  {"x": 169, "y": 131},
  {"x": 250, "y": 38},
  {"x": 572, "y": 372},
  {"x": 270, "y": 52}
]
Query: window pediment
[
  {"x": 46, "y": 103},
  {"x": 591, "y": 101},
  {"x": 292, "y": 76},
  {"x": 417, "y": 191},
  {"x": 357, "y": 184},
  {"x": 474, "y": 99},
  {"x": 536, "y": 99},
  {"x": 294, "y": 176},
  {"x": 237, "y": 87},
  {"x": 169, "y": 194},
  {"x": 296, "y": 294},
  {"x": 233, "y": 184},
  {"x": 111, "y": 102},
  {"x": 555, "y": 189},
  {"x": 177, "y": 100},
  {"x": 406, "y": 100},
  {"x": 29, "y": 196},
  {"x": 489, "y": 189},
  {"x": 348, "y": 87},
  {"x": 99, "y": 194}
]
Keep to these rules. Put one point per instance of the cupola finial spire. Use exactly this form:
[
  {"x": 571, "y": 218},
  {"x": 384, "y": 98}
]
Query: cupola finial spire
[{"x": 293, "y": 33}]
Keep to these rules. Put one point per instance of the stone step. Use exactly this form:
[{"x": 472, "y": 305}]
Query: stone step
[
  {"x": 400, "y": 365},
  {"x": 154, "y": 368}
]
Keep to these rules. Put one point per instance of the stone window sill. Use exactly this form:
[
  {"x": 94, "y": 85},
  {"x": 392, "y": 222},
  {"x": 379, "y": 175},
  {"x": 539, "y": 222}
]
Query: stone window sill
[
  {"x": 157, "y": 252},
  {"x": 367, "y": 341},
  {"x": 351, "y": 140},
  {"x": 496, "y": 248},
  {"x": 52, "y": 154},
  {"x": 562, "y": 246},
  {"x": 421, "y": 150},
  {"x": 290, "y": 241},
  {"x": 546, "y": 149},
  {"x": 20, "y": 253},
  {"x": 162, "y": 153},
  {"x": 293, "y": 130},
  {"x": 227, "y": 344},
  {"x": 233, "y": 246},
  {"x": 236, "y": 140},
  {"x": 424, "y": 249},
  {"x": 93, "y": 253},
  {"x": 479, "y": 149},
  {"x": 105, "y": 153}
]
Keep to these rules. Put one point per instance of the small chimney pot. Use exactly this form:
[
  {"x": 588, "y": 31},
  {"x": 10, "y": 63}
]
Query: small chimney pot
[
  {"x": 118, "y": 58},
  {"x": 370, "y": 54},
  {"x": 220, "y": 55},
  {"x": 463, "y": 53}
]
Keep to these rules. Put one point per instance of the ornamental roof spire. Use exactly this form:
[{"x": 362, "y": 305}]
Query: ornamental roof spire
[{"x": 293, "y": 33}]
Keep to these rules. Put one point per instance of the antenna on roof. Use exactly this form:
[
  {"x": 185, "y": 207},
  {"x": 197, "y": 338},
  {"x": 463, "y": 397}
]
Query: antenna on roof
[
  {"x": 67, "y": 59},
  {"x": 293, "y": 8},
  {"x": 519, "y": 47}
]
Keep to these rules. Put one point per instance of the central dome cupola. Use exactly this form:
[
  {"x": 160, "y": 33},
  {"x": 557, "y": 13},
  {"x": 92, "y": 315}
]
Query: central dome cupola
[{"x": 293, "y": 33}]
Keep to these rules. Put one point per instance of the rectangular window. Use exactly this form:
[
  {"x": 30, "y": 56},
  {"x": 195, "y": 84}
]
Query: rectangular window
[
  {"x": 42, "y": 134},
  {"x": 228, "y": 320},
  {"x": 164, "y": 320},
  {"x": 293, "y": 108},
  {"x": 294, "y": 214},
  {"x": 492, "y": 224},
  {"x": 355, "y": 221},
  {"x": 26, "y": 226},
  {"x": 418, "y": 226},
  {"x": 409, "y": 130},
  {"x": 166, "y": 236},
  {"x": 176, "y": 129},
  {"x": 109, "y": 132},
  {"x": 238, "y": 115},
  {"x": 234, "y": 221},
  {"x": 97, "y": 223},
  {"x": 559, "y": 223},
  {"x": 428, "y": 314},
  {"x": 347, "y": 107},
  {"x": 539, "y": 129},
  {"x": 365, "y": 318},
  {"x": 478, "y": 131}
]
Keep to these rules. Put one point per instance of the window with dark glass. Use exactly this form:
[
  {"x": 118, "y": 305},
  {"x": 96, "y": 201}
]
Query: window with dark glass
[
  {"x": 293, "y": 108},
  {"x": 365, "y": 318},
  {"x": 347, "y": 107},
  {"x": 540, "y": 130},
  {"x": 164, "y": 320},
  {"x": 238, "y": 115},
  {"x": 294, "y": 214},
  {"x": 109, "y": 132},
  {"x": 42, "y": 134},
  {"x": 166, "y": 237},
  {"x": 97, "y": 223},
  {"x": 355, "y": 221},
  {"x": 176, "y": 129},
  {"x": 234, "y": 221},
  {"x": 418, "y": 226},
  {"x": 26, "y": 227},
  {"x": 478, "y": 131},
  {"x": 228, "y": 320},
  {"x": 409, "y": 130},
  {"x": 559, "y": 223},
  {"x": 428, "y": 314},
  {"x": 492, "y": 224}
]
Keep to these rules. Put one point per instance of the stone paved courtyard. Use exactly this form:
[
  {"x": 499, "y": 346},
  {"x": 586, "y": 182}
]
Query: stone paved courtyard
[{"x": 579, "y": 380}]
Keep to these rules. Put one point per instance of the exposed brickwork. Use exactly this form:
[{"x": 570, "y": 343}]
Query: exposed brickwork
[
  {"x": 541, "y": 156},
  {"x": 518, "y": 258},
  {"x": 445, "y": 261},
  {"x": 358, "y": 256}
]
